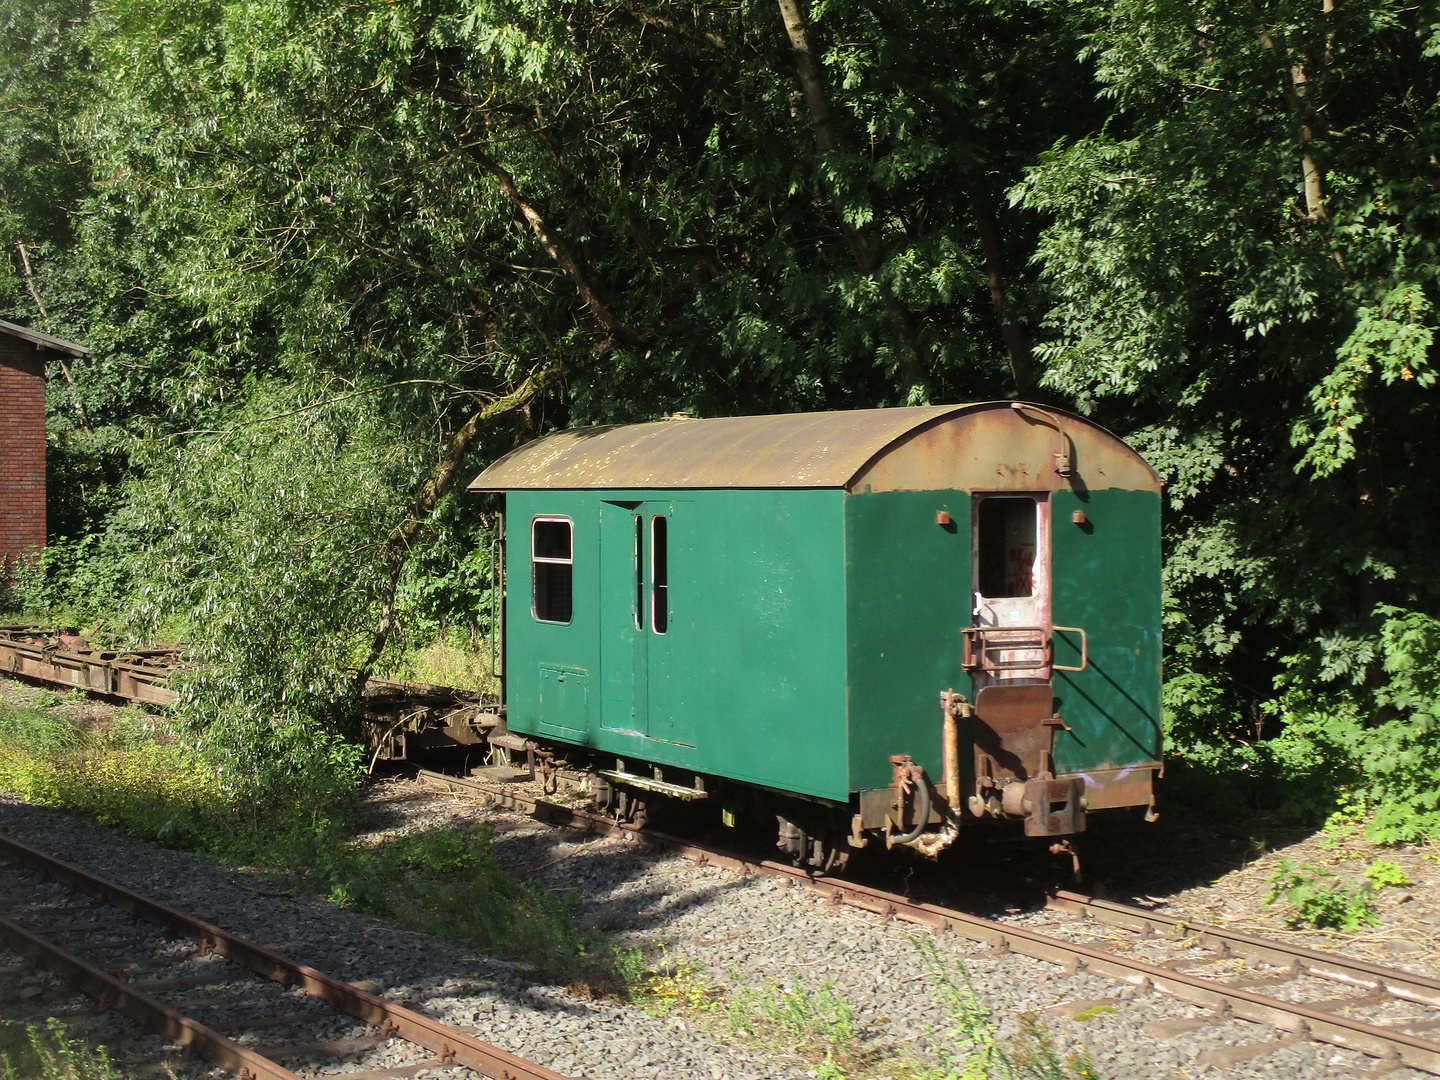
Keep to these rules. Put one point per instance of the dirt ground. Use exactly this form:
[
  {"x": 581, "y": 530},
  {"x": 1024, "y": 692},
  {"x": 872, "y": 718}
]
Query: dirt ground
[{"x": 1407, "y": 930}]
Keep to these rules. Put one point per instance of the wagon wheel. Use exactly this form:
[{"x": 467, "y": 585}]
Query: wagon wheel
[
  {"x": 837, "y": 857},
  {"x": 829, "y": 854},
  {"x": 639, "y": 813}
]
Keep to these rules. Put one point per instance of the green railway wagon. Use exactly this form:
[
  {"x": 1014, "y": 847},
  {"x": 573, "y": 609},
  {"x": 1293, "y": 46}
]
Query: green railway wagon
[{"x": 883, "y": 624}]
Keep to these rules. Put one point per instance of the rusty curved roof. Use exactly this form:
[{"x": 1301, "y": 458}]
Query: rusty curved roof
[
  {"x": 801, "y": 450},
  {"x": 982, "y": 446}
]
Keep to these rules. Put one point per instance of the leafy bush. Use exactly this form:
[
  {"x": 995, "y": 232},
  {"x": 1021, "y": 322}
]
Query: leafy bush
[
  {"x": 79, "y": 581},
  {"x": 1319, "y": 902},
  {"x": 1370, "y": 709},
  {"x": 1353, "y": 729},
  {"x": 262, "y": 546}
]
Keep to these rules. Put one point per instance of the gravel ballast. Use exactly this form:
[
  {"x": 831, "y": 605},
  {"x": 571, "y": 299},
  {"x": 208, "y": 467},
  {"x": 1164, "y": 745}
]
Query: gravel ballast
[{"x": 753, "y": 931}]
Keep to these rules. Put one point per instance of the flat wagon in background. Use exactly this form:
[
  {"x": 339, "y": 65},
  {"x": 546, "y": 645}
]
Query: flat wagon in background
[
  {"x": 55, "y": 656},
  {"x": 885, "y": 624}
]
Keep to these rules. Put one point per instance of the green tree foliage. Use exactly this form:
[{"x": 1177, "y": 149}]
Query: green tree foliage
[
  {"x": 43, "y": 57},
  {"x": 1242, "y": 269},
  {"x": 333, "y": 257},
  {"x": 472, "y": 225}
]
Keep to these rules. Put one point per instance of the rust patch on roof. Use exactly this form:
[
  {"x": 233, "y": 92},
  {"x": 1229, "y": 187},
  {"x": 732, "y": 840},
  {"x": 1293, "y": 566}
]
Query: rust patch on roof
[
  {"x": 802, "y": 450},
  {"x": 932, "y": 447}
]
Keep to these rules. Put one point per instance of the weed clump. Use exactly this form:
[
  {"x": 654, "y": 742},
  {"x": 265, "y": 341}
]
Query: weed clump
[
  {"x": 978, "y": 1050},
  {"x": 669, "y": 985},
  {"x": 49, "y": 1054},
  {"x": 814, "y": 1023},
  {"x": 1386, "y": 874},
  {"x": 1318, "y": 898}
]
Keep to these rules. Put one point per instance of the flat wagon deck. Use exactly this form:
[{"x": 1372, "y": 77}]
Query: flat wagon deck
[{"x": 69, "y": 660}]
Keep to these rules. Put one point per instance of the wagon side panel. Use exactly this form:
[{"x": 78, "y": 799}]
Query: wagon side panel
[
  {"x": 743, "y": 676},
  {"x": 760, "y": 624},
  {"x": 1106, "y": 569},
  {"x": 908, "y": 586}
]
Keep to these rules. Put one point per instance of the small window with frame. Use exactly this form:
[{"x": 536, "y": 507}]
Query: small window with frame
[
  {"x": 659, "y": 574},
  {"x": 639, "y": 572},
  {"x": 552, "y": 564}
]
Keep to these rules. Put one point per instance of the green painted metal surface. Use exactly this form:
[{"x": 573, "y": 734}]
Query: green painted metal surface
[
  {"x": 624, "y": 656},
  {"x": 748, "y": 679},
  {"x": 809, "y": 633},
  {"x": 908, "y": 584},
  {"x": 1106, "y": 575}
]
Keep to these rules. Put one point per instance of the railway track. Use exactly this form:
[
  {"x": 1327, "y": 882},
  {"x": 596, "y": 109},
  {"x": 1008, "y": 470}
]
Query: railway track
[
  {"x": 1289, "y": 989},
  {"x": 1295, "y": 992},
  {"x": 216, "y": 996}
]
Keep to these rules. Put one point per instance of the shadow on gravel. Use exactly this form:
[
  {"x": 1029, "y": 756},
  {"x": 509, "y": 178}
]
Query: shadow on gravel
[{"x": 1122, "y": 857}]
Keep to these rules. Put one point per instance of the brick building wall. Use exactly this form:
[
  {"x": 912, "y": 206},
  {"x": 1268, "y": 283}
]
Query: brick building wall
[{"x": 22, "y": 451}]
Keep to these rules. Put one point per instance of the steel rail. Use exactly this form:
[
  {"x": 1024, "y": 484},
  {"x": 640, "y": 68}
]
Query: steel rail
[
  {"x": 1405, "y": 985},
  {"x": 115, "y": 993},
  {"x": 1298, "y": 1019},
  {"x": 451, "y": 1046}
]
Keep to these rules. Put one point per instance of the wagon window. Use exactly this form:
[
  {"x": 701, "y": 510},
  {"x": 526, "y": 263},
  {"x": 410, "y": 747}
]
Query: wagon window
[
  {"x": 659, "y": 574},
  {"x": 1005, "y": 542},
  {"x": 551, "y": 566},
  {"x": 639, "y": 572}
]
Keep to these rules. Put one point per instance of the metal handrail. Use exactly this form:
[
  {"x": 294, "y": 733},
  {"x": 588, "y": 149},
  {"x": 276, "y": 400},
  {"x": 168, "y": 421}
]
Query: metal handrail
[
  {"x": 1084, "y": 649},
  {"x": 972, "y": 657}
]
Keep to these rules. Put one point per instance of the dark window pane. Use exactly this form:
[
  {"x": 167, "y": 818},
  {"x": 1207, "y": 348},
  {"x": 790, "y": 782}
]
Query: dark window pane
[
  {"x": 550, "y": 570},
  {"x": 552, "y": 540},
  {"x": 660, "y": 574},
  {"x": 639, "y": 572},
  {"x": 552, "y": 591},
  {"x": 1005, "y": 535}
]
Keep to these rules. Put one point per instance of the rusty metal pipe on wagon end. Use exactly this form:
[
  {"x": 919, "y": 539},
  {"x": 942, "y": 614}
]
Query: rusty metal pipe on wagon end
[
  {"x": 952, "y": 705},
  {"x": 951, "y": 752}
]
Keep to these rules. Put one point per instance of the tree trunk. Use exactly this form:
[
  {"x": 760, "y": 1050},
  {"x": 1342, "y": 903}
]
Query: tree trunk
[
  {"x": 823, "y": 120},
  {"x": 1017, "y": 342},
  {"x": 580, "y": 274},
  {"x": 1298, "y": 96},
  {"x": 396, "y": 550}
]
